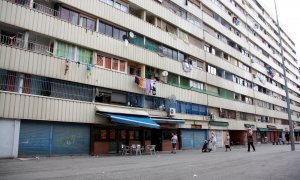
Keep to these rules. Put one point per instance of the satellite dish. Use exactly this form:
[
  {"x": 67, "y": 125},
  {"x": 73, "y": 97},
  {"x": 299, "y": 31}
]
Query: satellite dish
[
  {"x": 173, "y": 98},
  {"x": 165, "y": 73},
  {"x": 131, "y": 34}
]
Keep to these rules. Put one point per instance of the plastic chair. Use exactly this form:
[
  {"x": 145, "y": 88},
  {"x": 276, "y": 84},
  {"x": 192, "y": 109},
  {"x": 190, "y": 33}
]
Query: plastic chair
[
  {"x": 138, "y": 149},
  {"x": 151, "y": 149},
  {"x": 125, "y": 149}
]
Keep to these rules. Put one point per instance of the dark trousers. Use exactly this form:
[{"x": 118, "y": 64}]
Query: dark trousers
[{"x": 251, "y": 143}]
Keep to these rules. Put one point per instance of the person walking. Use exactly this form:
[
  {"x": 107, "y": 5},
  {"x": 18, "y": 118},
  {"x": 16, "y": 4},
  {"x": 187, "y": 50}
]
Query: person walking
[
  {"x": 213, "y": 140},
  {"x": 227, "y": 142},
  {"x": 174, "y": 142},
  {"x": 250, "y": 139},
  {"x": 287, "y": 137}
]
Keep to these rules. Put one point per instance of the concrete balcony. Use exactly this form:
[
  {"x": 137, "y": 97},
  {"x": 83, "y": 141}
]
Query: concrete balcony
[
  {"x": 38, "y": 64},
  {"x": 227, "y": 66},
  {"x": 214, "y": 101},
  {"x": 229, "y": 85},
  {"x": 271, "y": 113}
]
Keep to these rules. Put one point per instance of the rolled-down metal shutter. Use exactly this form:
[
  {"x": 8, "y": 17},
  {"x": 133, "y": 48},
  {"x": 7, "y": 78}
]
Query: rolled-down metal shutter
[
  {"x": 38, "y": 138},
  {"x": 199, "y": 138},
  {"x": 70, "y": 139},
  {"x": 193, "y": 139},
  {"x": 34, "y": 138},
  {"x": 187, "y": 138}
]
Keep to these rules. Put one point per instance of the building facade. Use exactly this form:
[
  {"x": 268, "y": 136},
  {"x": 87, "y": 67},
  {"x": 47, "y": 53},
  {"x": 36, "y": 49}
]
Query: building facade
[{"x": 86, "y": 77}]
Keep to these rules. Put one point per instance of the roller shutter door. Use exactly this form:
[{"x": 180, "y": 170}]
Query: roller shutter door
[
  {"x": 39, "y": 138},
  {"x": 193, "y": 139}
]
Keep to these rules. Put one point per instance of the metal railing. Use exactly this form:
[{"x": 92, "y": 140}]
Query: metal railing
[
  {"x": 36, "y": 85},
  {"x": 45, "y": 9},
  {"x": 36, "y": 6},
  {"x": 14, "y": 41}
]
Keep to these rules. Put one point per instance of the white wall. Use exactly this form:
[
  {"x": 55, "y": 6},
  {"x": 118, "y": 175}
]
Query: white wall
[{"x": 9, "y": 138}]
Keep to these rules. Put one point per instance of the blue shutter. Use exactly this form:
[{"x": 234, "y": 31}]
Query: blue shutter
[
  {"x": 48, "y": 138},
  {"x": 193, "y": 139},
  {"x": 70, "y": 139},
  {"x": 187, "y": 138},
  {"x": 199, "y": 138},
  {"x": 35, "y": 138}
]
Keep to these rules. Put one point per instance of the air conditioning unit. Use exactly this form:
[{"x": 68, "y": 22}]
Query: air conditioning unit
[{"x": 172, "y": 112}]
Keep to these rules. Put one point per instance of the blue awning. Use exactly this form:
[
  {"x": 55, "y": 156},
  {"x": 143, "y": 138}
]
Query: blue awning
[
  {"x": 142, "y": 121},
  {"x": 168, "y": 120}
]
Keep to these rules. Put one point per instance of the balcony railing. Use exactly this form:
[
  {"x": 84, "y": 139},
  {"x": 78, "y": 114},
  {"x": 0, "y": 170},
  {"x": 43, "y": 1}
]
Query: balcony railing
[
  {"x": 36, "y": 85},
  {"x": 14, "y": 41},
  {"x": 45, "y": 9},
  {"x": 36, "y": 6}
]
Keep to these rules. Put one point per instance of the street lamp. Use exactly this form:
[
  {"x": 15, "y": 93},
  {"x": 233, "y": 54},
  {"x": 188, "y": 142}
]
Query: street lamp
[{"x": 286, "y": 87}]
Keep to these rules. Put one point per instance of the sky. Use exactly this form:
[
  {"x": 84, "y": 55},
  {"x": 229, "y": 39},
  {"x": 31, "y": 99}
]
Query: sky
[{"x": 289, "y": 18}]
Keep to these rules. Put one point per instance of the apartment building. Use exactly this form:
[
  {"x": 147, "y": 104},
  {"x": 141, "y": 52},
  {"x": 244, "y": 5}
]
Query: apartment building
[{"x": 86, "y": 77}]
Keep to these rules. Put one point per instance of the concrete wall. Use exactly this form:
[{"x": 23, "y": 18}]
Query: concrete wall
[{"x": 9, "y": 138}]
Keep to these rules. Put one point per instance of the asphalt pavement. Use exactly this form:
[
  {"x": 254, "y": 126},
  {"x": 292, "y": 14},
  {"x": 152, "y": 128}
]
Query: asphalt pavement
[{"x": 268, "y": 162}]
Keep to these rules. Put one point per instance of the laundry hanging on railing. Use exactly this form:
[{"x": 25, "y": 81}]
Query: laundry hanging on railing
[
  {"x": 270, "y": 71},
  {"x": 88, "y": 70},
  {"x": 149, "y": 85}
]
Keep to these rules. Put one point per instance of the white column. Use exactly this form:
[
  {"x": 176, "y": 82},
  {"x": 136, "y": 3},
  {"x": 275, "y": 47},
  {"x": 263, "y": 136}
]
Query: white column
[
  {"x": 26, "y": 37},
  {"x": 143, "y": 15},
  {"x": 97, "y": 25}
]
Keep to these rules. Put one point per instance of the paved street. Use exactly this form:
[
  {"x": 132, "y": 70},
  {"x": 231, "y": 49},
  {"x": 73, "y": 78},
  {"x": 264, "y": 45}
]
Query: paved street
[{"x": 269, "y": 162}]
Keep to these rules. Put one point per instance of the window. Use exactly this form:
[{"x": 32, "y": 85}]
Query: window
[
  {"x": 173, "y": 79},
  {"x": 116, "y": 33},
  {"x": 69, "y": 16},
  {"x": 105, "y": 29},
  {"x": 65, "y": 50},
  {"x": 107, "y": 63},
  {"x": 119, "y": 98},
  {"x": 122, "y": 65},
  {"x": 206, "y": 48},
  {"x": 103, "y": 96},
  {"x": 100, "y": 60},
  {"x": 115, "y": 64},
  {"x": 211, "y": 70},
  {"x": 85, "y": 56},
  {"x": 135, "y": 100},
  {"x": 88, "y": 23},
  {"x": 111, "y": 63}
]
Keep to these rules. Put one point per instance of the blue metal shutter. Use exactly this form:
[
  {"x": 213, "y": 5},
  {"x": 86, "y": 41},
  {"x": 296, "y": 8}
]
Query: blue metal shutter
[
  {"x": 199, "y": 138},
  {"x": 35, "y": 138},
  {"x": 70, "y": 139},
  {"x": 187, "y": 138}
]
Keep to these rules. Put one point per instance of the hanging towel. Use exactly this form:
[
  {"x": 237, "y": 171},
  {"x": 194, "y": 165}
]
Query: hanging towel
[
  {"x": 141, "y": 83},
  {"x": 148, "y": 86},
  {"x": 144, "y": 84}
]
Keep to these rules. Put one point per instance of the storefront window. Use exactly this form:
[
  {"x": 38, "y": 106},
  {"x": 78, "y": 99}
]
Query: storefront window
[
  {"x": 112, "y": 134},
  {"x": 123, "y": 135},
  {"x": 103, "y": 135}
]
